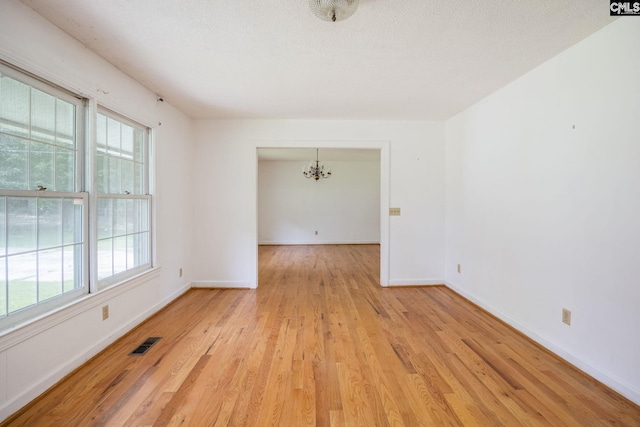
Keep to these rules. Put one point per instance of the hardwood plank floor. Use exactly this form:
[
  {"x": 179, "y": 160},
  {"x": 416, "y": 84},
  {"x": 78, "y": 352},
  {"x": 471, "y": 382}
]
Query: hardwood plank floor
[{"x": 320, "y": 343}]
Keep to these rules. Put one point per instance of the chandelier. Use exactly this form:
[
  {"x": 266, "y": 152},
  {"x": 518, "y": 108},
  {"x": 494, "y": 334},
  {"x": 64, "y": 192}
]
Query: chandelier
[
  {"x": 333, "y": 10},
  {"x": 316, "y": 171}
]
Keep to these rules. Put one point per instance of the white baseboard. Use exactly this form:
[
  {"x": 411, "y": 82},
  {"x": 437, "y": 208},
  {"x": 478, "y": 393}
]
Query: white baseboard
[
  {"x": 415, "y": 282},
  {"x": 17, "y": 402},
  {"x": 216, "y": 284},
  {"x": 604, "y": 377},
  {"x": 316, "y": 242}
]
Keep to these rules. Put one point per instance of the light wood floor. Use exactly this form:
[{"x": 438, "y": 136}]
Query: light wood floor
[{"x": 320, "y": 343}]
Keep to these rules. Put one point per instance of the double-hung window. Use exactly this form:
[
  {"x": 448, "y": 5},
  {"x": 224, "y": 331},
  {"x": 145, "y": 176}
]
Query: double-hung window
[
  {"x": 75, "y": 207},
  {"x": 123, "y": 200},
  {"x": 43, "y": 213}
]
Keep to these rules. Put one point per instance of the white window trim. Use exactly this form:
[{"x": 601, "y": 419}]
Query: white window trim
[
  {"x": 24, "y": 315},
  {"x": 64, "y": 94},
  {"x": 90, "y": 294},
  {"x": 96, "y": 284}
]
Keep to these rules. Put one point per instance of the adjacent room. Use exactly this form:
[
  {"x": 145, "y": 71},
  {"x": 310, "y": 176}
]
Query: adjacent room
[
  {"x": 319, "y": 212},
  {"x": 344, "y": 208}
]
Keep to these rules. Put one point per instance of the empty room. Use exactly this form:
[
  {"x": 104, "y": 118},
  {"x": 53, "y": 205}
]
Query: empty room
[{"x": 319, "y": 212}]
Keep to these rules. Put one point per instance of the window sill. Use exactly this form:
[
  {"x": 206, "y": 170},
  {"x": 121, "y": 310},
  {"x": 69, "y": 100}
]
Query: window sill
[{"x": 22, "y": 332}]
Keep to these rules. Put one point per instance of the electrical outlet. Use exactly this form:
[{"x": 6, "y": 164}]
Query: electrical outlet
[
  {"x": 459, "y": 269},
  {"x": 394, "y": 211},
  {"x": 566, "y": 316},
  {"x": 180, "y": 271},
  {"x": 105, "y": 312}
]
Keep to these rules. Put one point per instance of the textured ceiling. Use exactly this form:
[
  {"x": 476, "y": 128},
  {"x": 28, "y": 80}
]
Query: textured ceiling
[{"x": 393, "y": 59}]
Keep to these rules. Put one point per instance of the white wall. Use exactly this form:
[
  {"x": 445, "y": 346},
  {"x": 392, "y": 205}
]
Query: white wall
[
  {"x": 35, "y": 357},
  {"x": 226, "y": 209},
  {"x": 542, "y": 215},
  {"x": 342, "y": 209}
]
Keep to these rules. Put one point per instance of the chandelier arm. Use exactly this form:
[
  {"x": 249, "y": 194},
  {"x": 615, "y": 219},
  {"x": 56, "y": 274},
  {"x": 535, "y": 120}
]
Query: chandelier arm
[{"x": 316, "y": 171}]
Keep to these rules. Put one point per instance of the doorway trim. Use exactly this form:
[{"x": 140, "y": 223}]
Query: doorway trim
[{"x": 383, "y": 146}]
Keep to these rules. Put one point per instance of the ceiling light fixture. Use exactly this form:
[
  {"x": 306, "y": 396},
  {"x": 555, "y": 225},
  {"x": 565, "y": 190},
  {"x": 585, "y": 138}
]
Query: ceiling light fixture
[
  {"x": 333, "y": 10},
  {"x": 316, "y": 171}
]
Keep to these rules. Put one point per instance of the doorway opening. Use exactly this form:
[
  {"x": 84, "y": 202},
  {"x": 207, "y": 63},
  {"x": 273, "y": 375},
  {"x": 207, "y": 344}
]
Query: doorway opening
[{"x": 351, "y": 207}]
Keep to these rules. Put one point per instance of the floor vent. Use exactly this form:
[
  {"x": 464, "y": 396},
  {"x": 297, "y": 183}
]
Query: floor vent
[{"x": 146, "y": 345}]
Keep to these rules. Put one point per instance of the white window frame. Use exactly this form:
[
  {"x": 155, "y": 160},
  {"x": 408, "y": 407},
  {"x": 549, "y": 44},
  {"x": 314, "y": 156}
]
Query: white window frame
[
  {"x": 87, "y": 110},
  {"x": 124, "y": 276},
  {"x": 68, "y": 96},
  {"x": 41, "y": 308}
]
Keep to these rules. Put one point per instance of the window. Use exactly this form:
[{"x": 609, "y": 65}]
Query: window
[
  {"x": 123, "y": 203},
  {"x": 42, "y": 214},
  {"x": 38, "y": 130},
  {"x": 48, "y": 205}
]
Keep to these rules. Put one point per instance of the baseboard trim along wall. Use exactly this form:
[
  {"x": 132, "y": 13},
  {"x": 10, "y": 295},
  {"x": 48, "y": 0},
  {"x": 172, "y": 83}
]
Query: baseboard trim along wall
[
  {"x": 216, "y": 284},
  {"x": 610, "y": 381},
  {"x": 288, "y": 243},
  {"x": 415, "y": 282}
]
